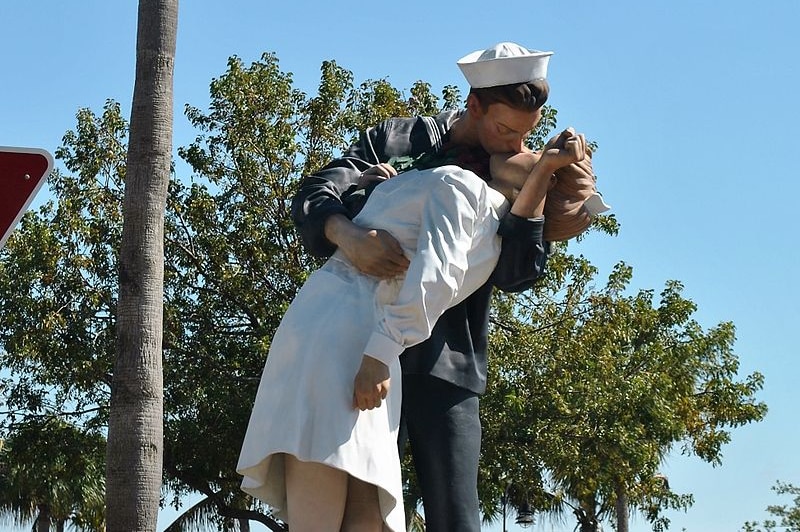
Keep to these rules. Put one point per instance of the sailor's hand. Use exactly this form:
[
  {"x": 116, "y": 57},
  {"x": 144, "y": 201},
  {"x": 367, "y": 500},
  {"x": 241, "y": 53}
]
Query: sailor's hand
[{"x": 374, "y": 252}]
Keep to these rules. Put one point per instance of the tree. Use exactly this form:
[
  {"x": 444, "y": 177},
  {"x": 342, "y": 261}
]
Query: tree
[
  {"x": 135, "y": 425},
  {"x": 57, "y": 302},
  {"x": 789, "y": 515},
  {"x": 590, "y": 388},
  {"x": 52, "y": 473}
]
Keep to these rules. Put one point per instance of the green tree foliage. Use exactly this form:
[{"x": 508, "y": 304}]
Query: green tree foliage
[
  {"x": 789, "y": 515},
  {"x": 52, "y": 472},
  {"x": 589, "y": 388},
  {"x": 58, "y": 295},
  {"x": 57, "y": 279}
]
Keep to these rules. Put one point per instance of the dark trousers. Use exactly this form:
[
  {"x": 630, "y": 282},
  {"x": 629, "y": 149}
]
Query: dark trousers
[{"x": 440, "y": 420}]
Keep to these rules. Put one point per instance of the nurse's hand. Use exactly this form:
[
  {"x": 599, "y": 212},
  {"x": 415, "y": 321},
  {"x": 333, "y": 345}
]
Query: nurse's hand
[
  {"x": 379, "y": 172},
  {"x": 371, "y": 385},
  {"x": 374, "y": 252},
  {"x": 564, "y": 149}
]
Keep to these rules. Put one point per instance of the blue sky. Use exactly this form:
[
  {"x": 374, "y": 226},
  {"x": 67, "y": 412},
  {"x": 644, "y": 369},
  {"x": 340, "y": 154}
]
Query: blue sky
[{"x": 693, "y": 105}]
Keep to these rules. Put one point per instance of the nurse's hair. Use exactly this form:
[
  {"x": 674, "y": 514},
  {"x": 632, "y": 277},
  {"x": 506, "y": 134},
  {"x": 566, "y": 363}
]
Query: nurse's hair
[{"x": 528, "y": 96}]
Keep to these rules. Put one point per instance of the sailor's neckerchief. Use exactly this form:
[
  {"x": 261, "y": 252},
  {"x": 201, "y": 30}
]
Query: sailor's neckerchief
[{"x": 474, "y": 159}]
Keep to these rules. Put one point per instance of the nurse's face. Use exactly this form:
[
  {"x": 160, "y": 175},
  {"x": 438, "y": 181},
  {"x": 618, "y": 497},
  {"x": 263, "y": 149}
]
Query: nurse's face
[{"x": 501, "y": 128}]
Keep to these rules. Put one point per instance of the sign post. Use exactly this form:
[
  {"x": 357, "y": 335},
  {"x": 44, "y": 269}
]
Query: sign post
[{"x": 23, "y": 171}]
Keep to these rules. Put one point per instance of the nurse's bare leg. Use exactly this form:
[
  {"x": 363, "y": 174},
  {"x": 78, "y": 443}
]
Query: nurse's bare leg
[
  {"x": 362, "y": 511},
  {"x": 315, "y": 496}
]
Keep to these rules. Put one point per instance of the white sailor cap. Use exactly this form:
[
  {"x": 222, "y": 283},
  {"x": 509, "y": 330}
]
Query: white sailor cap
[{"x": 503, "y": 64}]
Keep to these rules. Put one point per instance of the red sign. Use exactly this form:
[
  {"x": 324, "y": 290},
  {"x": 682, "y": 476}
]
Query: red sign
[{"x": 22, "y": 173}]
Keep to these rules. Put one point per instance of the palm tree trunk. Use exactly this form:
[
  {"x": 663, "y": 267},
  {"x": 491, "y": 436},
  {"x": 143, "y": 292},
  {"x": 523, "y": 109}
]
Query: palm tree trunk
[
  {"x": 135, "y": 428},
  {"x": 587, "y": 517},
  {"x": 622, "y": 507},
  {"x": 42, "y": 523}
]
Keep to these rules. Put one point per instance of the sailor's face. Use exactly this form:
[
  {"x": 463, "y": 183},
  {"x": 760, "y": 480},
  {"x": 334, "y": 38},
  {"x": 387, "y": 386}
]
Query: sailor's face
[{"x": 503, "y": 129}]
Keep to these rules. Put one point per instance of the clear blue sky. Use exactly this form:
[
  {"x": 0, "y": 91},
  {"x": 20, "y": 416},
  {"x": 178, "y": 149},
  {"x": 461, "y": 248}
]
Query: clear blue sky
[{"x": 693, "y": 104}]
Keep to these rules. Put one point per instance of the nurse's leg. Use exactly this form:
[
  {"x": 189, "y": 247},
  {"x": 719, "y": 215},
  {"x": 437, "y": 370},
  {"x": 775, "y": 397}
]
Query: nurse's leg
[
  {"x": 315, "y": 496},
  {"x": 362, "y": 510}
]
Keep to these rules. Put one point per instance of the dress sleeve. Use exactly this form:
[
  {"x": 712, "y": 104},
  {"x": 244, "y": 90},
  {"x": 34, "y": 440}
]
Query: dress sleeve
[{"x": 457, "y": 250}]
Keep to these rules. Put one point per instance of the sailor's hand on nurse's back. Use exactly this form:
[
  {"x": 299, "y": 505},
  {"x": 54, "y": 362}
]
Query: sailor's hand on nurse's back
[
  {"x": 371, "y": 385},
  {"x": 379, "y": 172},
  {"x": 377, "y": 253},
  {"x": 565, "y": 148},
  {"x": 374, "y": 252}
]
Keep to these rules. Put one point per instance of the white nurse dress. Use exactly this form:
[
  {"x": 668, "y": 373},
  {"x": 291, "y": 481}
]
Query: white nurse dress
[{"x": 446, "y": 220}]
